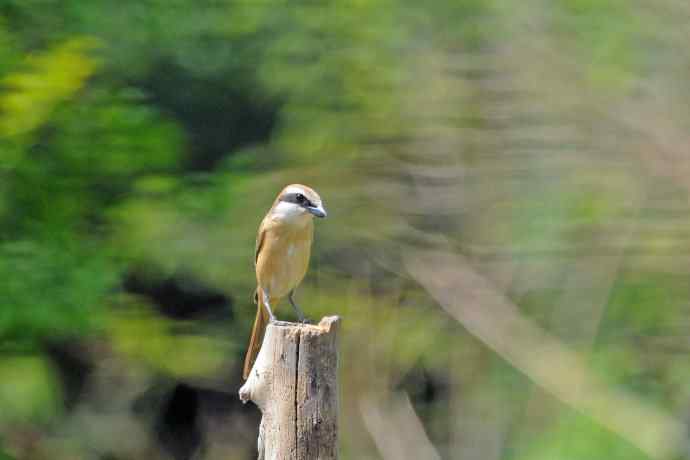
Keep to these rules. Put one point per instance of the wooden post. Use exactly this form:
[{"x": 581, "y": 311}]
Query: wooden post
[{"x": 294, "y": 382}]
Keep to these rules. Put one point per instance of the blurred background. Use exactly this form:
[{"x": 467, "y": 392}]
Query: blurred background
[{"x": 508, "y": 237}]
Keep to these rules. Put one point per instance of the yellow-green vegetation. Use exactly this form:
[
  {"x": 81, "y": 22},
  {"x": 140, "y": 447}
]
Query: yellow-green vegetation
[{"x": 142, "y": 142}]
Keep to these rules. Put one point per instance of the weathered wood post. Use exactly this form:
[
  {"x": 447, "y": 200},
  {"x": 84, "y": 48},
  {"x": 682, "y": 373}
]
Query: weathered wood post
[{"x": 294, "y": 382}]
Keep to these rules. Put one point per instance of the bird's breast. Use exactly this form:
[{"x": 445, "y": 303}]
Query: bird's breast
[{"x": 283, "y": 261}]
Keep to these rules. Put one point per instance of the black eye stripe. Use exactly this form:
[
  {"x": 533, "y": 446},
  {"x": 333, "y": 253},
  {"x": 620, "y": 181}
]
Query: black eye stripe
[{"x": 297, "y": 198}]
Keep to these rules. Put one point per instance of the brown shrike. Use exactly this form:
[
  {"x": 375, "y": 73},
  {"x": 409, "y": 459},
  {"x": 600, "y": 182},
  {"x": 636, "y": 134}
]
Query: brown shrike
[{"x": 282, "y": 253}]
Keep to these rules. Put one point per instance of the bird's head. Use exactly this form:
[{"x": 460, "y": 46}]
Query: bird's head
[{"x": 298, "y": 201}]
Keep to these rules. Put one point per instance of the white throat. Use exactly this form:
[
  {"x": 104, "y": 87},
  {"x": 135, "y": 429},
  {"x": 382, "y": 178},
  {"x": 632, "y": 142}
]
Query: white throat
[{"x": 289, "y": 212}]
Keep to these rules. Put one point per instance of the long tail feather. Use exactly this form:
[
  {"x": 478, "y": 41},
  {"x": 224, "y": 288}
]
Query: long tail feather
[{"x": 257, "y": 337}]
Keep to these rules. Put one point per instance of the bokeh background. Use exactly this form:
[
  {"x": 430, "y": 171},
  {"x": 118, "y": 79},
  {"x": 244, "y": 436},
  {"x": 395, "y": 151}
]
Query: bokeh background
[{"x": 508, "y": 239}]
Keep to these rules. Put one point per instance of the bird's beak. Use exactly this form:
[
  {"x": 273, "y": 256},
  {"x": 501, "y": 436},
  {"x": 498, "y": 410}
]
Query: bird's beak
[{"x": 318, "y": 211}]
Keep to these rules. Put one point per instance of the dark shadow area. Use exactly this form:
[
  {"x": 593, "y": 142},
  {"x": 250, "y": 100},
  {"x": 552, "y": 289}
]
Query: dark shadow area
[
  {"x": 188, "y": 419},
  {"x": 177, "y": 426},
  {"x": 430, "y": 395},
  {"x": 218, "y": 114},
  {"x": 73, "y": 366},
  {"x": 180, "y": 297},
  {"x": 424, "y": 387}
]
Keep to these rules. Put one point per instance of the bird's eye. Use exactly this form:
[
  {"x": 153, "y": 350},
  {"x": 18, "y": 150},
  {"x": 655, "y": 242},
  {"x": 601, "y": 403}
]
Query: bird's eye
[{"x": 300, "y": 198}]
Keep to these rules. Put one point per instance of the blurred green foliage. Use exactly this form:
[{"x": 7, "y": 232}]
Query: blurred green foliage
[{"x": 145, "y": 140}]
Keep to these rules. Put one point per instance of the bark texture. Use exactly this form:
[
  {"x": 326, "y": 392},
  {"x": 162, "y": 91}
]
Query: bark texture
[{"x": 294, "y": 382}]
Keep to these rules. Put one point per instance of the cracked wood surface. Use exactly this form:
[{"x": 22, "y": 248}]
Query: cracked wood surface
[{"x": 294, "y": 383}]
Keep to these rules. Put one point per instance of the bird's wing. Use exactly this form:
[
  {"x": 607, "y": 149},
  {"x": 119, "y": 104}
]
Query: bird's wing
[{"x": 260, "y": 238}]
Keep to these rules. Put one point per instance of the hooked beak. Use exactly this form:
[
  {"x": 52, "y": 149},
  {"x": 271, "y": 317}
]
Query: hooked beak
[{"x": 318, "y": 211}]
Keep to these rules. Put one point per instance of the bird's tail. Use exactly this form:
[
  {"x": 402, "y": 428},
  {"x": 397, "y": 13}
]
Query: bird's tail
[{"x": 257, "y": 336}]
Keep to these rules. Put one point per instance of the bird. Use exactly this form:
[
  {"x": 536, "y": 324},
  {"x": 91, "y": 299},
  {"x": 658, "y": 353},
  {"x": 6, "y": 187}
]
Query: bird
[{"x": 281, "y": 258}]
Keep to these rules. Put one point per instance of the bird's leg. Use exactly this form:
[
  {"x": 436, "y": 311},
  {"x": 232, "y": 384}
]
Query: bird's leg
[
  {"x": 271, "y": 316},
  {"x": 298, "y": 310}
]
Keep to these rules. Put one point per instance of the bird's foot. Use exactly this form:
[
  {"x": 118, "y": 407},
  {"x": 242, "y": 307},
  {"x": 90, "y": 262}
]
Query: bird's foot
[{"x": 306, "y": 321}]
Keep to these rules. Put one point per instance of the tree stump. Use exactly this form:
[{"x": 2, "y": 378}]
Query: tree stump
[{"x": 294, "y": 382}]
